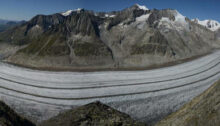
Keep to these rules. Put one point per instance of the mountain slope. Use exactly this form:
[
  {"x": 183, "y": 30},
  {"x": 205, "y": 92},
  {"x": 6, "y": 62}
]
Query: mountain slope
[
  {"x": 93, "y": 114},
  {"x": 128, "y": 38},
  {"x": 203, "y": 110},
  {"x": 9, "y": 118}
]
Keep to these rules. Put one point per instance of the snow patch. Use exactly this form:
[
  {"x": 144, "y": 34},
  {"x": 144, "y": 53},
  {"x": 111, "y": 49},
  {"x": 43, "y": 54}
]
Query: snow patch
[
  {"x": 142, "y": 7},
  {"x": 111, "y": 16},
  {"x": 122, "y": 25},
  {"x": 78, "y": 9},
  {"x": 179, "y": 17},
  {"x": 37, "y": 26},
  {"x": 179, "y": 23},
  {"x": 67, "y": 13},
  {"x": 143, "y": 17},
  {"x": 165, "y": 19}
]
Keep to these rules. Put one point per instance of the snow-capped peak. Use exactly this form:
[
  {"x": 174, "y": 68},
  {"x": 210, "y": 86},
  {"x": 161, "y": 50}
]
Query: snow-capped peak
[
  {"x": 142, "y": 7},
  {"x": 179, "y": 17},
  {"x": 67, "y": 13},
  {"x": 78, "y": 9},
  {"x": 210, "y": 24}
]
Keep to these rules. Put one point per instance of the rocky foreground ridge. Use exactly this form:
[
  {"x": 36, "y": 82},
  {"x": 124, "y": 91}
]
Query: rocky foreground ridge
[
  {"x": 133, "y": 37},
  {"x": 203, "y": 110},
  {"x": 93, "y": 114},
  {"x": 9, "y": 118}
]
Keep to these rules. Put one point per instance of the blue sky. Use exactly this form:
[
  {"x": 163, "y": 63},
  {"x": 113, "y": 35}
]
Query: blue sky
[{"x": 26, "y": 9}]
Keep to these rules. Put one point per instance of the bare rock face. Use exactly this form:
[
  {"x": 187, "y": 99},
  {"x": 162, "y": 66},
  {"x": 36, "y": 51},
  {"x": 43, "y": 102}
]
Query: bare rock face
[
  {"x": 93, "y": 114},
  {"x": 218, "y": 34},
  {"x": 133, "y": 37},
  {"x": 203, "y": 110}
]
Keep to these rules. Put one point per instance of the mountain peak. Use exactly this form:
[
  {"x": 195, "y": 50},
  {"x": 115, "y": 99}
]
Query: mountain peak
[
  {"x": 210, "y": 24},
  {"x": 142, "y": 7}
]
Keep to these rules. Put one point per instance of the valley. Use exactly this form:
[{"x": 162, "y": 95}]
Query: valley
[
  {"x": 135, "y": 66},
  {"x": 40, "y": 95}
]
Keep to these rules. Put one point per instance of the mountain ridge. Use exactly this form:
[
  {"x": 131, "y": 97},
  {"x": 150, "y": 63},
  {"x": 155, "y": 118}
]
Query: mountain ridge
[
  {"x": 118, "y": 39},
  {"x": 209, "y": 23}
]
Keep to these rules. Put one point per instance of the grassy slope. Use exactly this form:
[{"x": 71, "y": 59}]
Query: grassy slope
[{"x": 203, "y": 110}]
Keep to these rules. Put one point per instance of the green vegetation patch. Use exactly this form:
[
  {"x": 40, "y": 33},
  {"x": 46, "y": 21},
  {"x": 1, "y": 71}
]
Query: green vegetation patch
[
  {"x": 149, "y": 49},
  {"x": 90, "y": 49},
  {"x": 47, "y": 45}
]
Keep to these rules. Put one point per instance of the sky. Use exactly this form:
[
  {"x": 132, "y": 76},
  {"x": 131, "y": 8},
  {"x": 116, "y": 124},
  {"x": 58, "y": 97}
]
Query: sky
[{"x": 27, "y": 9}]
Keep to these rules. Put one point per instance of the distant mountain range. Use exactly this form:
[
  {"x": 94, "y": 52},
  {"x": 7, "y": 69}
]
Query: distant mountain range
[
  {"x": 134, "y": 37},
  {"x": 6, "y": 24},
  {"x": 3, "y": 21}
]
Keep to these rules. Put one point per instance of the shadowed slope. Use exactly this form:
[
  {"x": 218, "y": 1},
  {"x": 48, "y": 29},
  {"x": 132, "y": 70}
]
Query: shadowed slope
[{"x": 9, "y": 118}]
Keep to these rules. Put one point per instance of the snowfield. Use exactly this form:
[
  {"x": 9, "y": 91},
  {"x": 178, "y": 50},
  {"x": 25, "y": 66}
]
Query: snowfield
[
  {"x": 144, "y": 95},
  {"x": 210, "y": 24}
]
